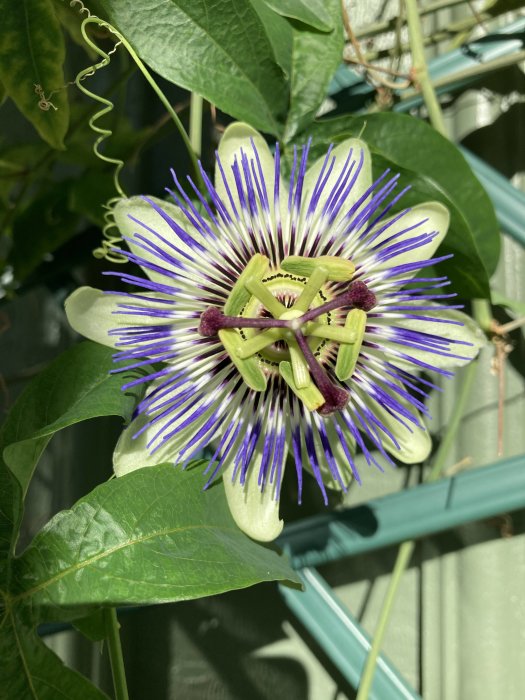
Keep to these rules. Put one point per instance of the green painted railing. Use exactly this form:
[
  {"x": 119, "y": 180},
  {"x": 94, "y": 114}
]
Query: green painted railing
[
  {"x": 471, "y": 495},
  {"x": 341, "y": 637}
]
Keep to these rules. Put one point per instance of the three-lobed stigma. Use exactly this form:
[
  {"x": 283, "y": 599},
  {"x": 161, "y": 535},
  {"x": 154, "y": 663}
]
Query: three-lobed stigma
[{"x": 282, "y": 318}]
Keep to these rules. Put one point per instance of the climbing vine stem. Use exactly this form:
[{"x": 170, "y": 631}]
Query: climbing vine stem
[
  {"x": 407, "y": 548},
  {"x": 150, "y": 79},
  {"x": 422, "y": 77},
  {"x": 116, "y": 659}
]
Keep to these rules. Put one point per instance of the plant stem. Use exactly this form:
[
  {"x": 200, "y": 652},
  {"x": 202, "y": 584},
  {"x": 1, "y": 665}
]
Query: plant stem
[
  {"x": 444, "y": 448},
  {"x": 115, "y": 654},
  {"x": 472, "y": 73},
  {"x": 404, "y": 555},
  {"x": 483, "y": 313},
  {"x": 407, "y": 548},
  {"x": 196, "y": 123},
  {"x": 417, "y": 49},
  {"x": 384, "y": 26},
  {"x": 151, "y": 80}
]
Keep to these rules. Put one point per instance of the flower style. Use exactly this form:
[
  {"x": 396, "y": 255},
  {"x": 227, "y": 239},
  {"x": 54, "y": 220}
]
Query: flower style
[{"x": 285, "y": 321}]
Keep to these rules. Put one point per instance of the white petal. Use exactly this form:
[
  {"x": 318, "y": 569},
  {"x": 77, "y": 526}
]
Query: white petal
[
  {"x": 256, "y": 513},
  {"x": 237, "y": 137},
  {"x": 131, "y": 454},
  {"x": 469, "y": 332},
  {"x": 421, "y": 219},
  {"x": 414, "y": 441},
  {"x": 92, "y": 313},
  {"x": 341, "y": 153},
  {"x": 339, "y": 454},
  {"x": 138, "y": 208}
]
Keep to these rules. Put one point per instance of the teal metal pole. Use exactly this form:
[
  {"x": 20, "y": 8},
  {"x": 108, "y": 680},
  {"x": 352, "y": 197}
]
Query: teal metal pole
[
  {"x": 410, "y": 514},
  {"x": 503, "y": 42},
  {"x": 341, "y": 637},
  {"x": 509, "y": 202}
]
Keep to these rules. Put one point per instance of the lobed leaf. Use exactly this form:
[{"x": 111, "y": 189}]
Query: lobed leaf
[
  {"x": 75, "y": 387},
  {"x": 30, "y": 670}
]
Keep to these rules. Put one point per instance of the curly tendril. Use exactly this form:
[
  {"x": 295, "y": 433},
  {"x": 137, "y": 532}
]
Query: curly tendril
[{"x": 110, "y": 231}]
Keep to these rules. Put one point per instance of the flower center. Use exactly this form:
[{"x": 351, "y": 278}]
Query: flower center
[{"x": 283, "y": 321}]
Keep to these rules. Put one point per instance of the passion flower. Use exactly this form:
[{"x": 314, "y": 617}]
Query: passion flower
[{"x": 285, "y": 322}]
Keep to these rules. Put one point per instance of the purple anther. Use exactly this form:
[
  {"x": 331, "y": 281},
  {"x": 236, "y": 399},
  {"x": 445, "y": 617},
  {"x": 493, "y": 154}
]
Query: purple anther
[
  {"x": 361, "y": 297},
  {"x": 357, "y": 295},
  {"x": 211, "y": 321}
]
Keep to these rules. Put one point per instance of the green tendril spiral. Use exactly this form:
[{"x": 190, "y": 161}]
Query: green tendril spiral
[{"x": 110, "y": 232}]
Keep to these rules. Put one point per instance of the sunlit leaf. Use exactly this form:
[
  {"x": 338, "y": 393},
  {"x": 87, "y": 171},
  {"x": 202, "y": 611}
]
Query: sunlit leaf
[
  {"x": 209, "y": 47},
  {"x": 315, "y": 57},
  {"x": 151, "y": 536}
]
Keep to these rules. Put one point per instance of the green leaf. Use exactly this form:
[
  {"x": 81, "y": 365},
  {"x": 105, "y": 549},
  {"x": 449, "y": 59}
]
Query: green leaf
[
  {"x": 29, "y": 670},
  {"x": 151, "y": 536},
  {"x": 75, "y": 387},
  {"x": 412, "y": 144},
  {"x": 32, "y": 53},
  {"x": 89, "y": 194},
  {"x": 70, "y": 17},
  {"x": 18, "y": 160},
  {"x": 313, "y": 13},
  {"x": 279, "y": 33},
  {"x": 465, "y": 270},
  {"x": 217, "y": 48},
  {"x": 92, "y": 626},
  {"x": 315, "y": 57},
  {"x": 10, "y": 507},
  {"x": 515, "y": 305}
]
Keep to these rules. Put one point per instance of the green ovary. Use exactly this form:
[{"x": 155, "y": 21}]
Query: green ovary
[
  {"x": 286, "y": 288},
  {"x": 293, "y": 349}
]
